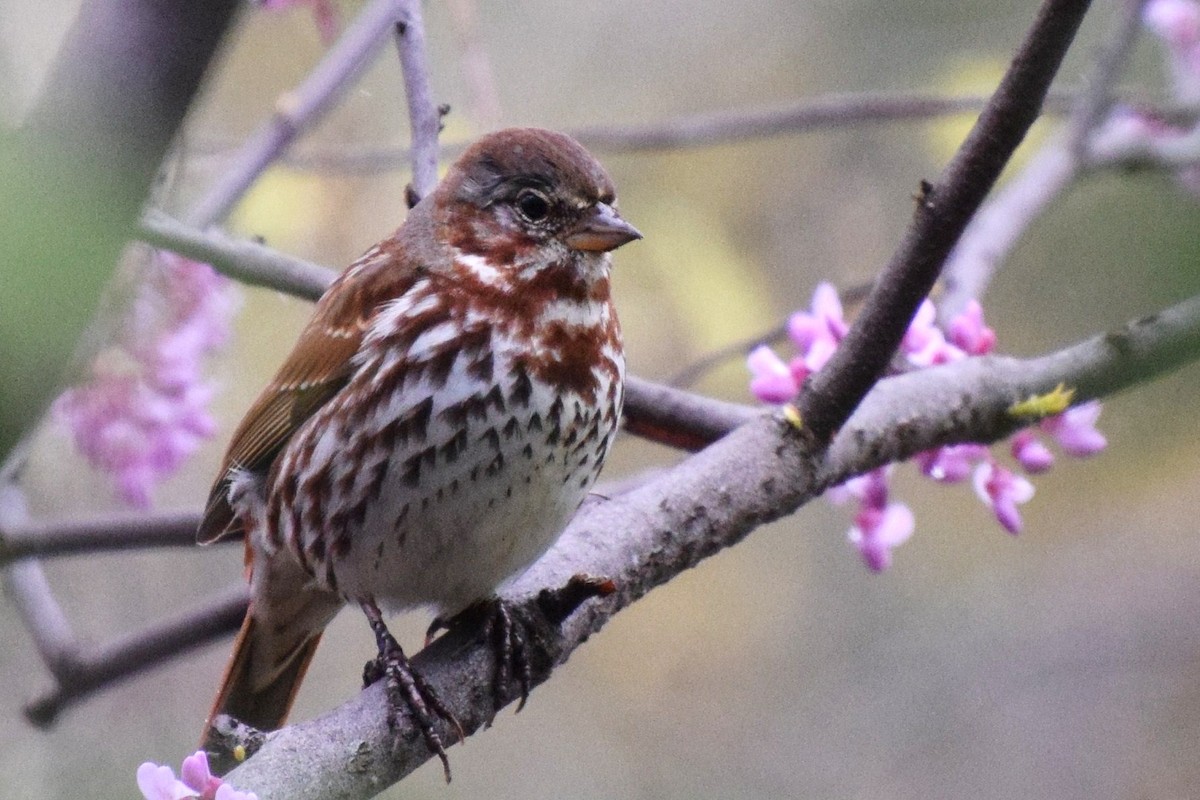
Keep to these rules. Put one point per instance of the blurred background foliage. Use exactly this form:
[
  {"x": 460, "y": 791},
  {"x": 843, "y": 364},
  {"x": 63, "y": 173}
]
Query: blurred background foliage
[{"x": 1061, "y": 664}]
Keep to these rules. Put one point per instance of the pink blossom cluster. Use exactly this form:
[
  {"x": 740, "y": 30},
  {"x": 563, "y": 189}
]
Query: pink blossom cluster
[
  {"x": 1177, "y": 23},
  {"x": 1132, "y": 132},
  {"x": 195, "y": 782},
  {"x": 144, "y": 408},
  {"x": 880, "y": 524}
]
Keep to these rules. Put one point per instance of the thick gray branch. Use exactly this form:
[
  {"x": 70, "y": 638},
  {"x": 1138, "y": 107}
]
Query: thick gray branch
[{"x": 645, "y": 537}]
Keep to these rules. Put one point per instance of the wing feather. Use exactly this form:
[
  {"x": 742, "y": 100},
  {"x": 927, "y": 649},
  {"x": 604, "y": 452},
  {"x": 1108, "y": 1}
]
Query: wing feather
[{"x": 318, "y": 367}]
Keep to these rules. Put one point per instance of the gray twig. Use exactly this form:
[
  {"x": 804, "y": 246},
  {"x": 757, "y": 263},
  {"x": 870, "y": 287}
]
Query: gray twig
[
  {"x": 296, "y": 110},
  {"x": 424, "y": 117},
  {"x": 1001, "y": 223}
]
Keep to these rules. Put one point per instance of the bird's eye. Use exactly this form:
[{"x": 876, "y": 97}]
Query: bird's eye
[{"x": 533, "y": 205}]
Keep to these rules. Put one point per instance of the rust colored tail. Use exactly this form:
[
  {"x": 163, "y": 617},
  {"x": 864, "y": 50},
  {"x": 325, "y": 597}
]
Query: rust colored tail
[
  {"x": 272, "y": 651},
  {"x": 257, "y": 696}
]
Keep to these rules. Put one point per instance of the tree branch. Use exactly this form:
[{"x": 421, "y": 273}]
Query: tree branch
[
  {"x": 643, "y": 538},
  {"x": 296, "y": 110},
  {"x": 242, "y": 260},
  {"x": 1001, "y": 223},
  {"x": 80, "y": 669},
  {"x": 943, "y": 212},
  {"x": 712, "y": 128},
  {"x": 43, "y": 539},
  {"x": 424, "y": 118}
]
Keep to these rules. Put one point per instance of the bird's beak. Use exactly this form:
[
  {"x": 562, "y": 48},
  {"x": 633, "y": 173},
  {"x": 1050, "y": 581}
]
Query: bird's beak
[{"x": 601, "y": 230}]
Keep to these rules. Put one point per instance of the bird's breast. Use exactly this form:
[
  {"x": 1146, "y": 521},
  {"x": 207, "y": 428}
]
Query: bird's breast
[{"x": 455, "y": 455}]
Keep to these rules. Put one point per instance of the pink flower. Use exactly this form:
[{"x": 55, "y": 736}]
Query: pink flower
[
  {"x": 1003, "y": 491},
  {"x": 876, "y": 532},
  {"x": 772, "y": 381},
  {"x": 1030, "y": 453},
  {"x": 924, "y": 344},
  {"x": 879, "y": 526},
  {"x": 952, "y": 463},
  {"x": 818, "y": 332},
  {"x": 1075, "y": 430},
  {"x": 969, "y": 333},
  {"x": 158, "y": 782},
  {"x": 144, "y": 409}
]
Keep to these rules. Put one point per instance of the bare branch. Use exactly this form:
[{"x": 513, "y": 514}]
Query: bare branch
[
  {"x": 424, "y": 117},
  {"x": 296, "y": 110},
  {"x": 43, "y": 539},
  {"x": 708, "y": 129},
  {"x": 943, "y": 211},
  {"x": 642, "y": 538},
  {"x": 678, "y": 418},
  {"x": 81, "y": 669},
  {"x": 1099, "y": 92},
  {"x": 242, "y": 260},
  {"x": 1001, "y": 223}
]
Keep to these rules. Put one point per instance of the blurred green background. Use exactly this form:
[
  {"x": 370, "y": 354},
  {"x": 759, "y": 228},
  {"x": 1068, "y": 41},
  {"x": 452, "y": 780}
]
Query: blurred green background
[{"x": 1060, "y": 664}]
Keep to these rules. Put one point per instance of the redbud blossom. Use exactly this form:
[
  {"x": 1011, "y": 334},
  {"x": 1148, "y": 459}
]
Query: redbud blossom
[
  {"x": 952, "y": 463},
  {"x": 771, "y": 381},
  {"x": 879, "y": 525},
  {"x": 1003, "y": 491},
  {"x": 1075, "y": 430},
  {"x": 144, "y": 409},
  {"x": 158, "y": 782},
  {"x": 1030, "y": 453},
  {"x": 818, "y": 332}
]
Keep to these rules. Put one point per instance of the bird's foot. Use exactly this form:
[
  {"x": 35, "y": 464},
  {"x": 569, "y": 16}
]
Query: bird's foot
[{"x": 407, "y": 689}]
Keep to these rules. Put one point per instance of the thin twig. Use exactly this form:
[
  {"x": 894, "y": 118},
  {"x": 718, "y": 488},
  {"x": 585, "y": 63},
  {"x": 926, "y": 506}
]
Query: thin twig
[
  {"x": 44, "y": 539},
  {"x": 1099, "y": 94},
  {"x": 242, "y": 260},
  {"x": 1003, "y": 220},
  {"x": 707, "y": 129},
  {"x": 425, "y": 120},
  {"x": 943, "y": 211},
  {"x": 696, "y": 370},
  {"x": 82, "y": 669},
  {"x": 296, "y": 110}
]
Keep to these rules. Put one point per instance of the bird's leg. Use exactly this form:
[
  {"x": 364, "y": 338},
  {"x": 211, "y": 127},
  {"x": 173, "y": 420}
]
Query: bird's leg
[
  {"x": 495, "y": 621},
  {"x": 406, "y": 688},
  {"x": 508, "y": 637}
]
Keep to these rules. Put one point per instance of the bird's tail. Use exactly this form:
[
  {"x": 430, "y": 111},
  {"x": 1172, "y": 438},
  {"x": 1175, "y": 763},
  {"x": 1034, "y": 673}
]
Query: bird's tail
[{"x": 272, "y": 652}]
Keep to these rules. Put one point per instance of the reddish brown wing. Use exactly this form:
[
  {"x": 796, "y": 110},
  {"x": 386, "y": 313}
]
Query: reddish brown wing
[{"x": 317, "y": 368}]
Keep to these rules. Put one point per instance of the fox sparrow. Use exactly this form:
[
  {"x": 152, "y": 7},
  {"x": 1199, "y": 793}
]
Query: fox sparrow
[{"x": 440, "y": 419}]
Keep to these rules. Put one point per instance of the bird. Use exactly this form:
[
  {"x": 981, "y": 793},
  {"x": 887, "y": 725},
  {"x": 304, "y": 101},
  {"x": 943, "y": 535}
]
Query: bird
[{"x": 441, "y": 417}]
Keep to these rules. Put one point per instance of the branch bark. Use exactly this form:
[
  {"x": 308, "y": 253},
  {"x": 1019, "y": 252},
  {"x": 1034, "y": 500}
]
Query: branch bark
[{"x": 423, "y": 115}]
